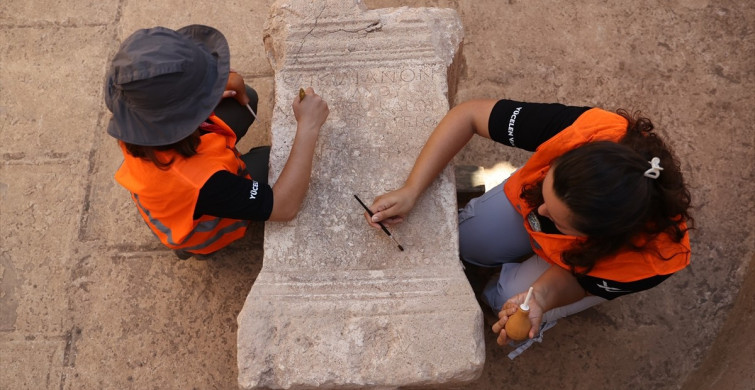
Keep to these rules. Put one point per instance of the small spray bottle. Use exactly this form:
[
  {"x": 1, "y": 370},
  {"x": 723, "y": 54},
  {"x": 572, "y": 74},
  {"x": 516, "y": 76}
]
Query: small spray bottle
[{"x": 518, "y": 326}]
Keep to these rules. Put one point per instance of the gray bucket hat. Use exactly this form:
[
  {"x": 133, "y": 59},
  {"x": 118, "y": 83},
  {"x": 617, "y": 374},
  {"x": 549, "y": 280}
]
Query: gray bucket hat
[{"x": 162, "y": 84}]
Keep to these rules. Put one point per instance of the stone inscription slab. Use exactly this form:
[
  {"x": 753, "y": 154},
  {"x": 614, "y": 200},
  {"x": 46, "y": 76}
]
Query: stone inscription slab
[{"x": 336, "y": 303}]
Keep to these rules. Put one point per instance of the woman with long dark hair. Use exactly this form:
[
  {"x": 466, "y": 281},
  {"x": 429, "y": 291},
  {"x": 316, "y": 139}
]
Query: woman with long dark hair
[{"x": 599, "y": 210}]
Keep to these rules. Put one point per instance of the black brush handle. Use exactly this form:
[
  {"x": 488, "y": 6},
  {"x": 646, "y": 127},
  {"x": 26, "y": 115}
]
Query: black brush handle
[{"x": 371, "y": 214}]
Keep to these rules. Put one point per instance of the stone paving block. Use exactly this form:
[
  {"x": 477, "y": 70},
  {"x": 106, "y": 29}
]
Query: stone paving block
[
  {"x": 240, "y": 21},
  {"x": 175, "y": 320},
  {"x": 70, "y": 13},
  {"x": 110, "y": 215},
  {"x": 336, "y": 303},
  {"x": 37, "y": 200},
  {"x": 61, "y": 104},
  {"x": 60, "y": 101},
  {"x": 45, "y": 356}
]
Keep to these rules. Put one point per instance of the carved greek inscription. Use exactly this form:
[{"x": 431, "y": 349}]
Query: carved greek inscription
[
  {"x": 373, "y": 98},
  {"x": 362, "y": 76}
]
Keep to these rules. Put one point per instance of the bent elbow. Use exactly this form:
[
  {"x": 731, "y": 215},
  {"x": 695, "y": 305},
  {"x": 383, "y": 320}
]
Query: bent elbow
[
  {"x": 289, "y": 216},
  {"x": 284, "y": 214}
]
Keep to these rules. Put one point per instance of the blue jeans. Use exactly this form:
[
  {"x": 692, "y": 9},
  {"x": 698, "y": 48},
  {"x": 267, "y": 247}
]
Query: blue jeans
[{"x": 492, "y": 234}]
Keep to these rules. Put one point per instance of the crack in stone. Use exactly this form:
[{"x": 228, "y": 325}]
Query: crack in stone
[
  {"x": 304, "y": 39},
  {"x": 372, "y": 27}
]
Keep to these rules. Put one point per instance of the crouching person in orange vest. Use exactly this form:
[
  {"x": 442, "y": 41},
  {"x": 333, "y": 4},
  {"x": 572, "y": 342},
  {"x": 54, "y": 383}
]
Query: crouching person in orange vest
[
  {"x": 600, "y": 209},
  {"x": 178, "y": 111}
]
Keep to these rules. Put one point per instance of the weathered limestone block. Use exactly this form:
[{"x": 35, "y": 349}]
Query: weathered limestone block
[{"x": 336, "y": 303}]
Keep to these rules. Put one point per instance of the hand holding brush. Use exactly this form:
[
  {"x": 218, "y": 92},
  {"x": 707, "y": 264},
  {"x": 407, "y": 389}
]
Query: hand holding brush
[{"x": 379, "y": 223}]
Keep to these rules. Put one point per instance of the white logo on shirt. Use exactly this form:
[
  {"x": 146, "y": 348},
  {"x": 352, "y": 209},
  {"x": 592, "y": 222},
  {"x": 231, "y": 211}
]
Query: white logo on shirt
[
  {"x": 253, "y": 192},
  {"x": 511, "y": 125},
  {"x": 610, "y": 289}
]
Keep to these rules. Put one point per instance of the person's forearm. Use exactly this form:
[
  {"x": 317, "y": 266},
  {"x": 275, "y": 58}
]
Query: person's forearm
[
  {"x": 292, "y": 184},
  {"x": 448, "y": 138},
  {"x": 557, "y": 287}
]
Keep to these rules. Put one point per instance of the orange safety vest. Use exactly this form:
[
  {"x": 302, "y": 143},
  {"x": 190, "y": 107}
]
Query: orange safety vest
[
  {"x": 662, "y": 256},
  {"x": 166, "y": 199}
]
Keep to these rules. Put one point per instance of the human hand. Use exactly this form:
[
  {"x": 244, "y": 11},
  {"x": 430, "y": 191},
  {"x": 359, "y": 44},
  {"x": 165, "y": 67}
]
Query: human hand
[
  {"x": 235, "y": 88},
  {"x": 312, "y": 111},
  {"x": 508, "y": 310},
  {"x": 391, "y": 208}
]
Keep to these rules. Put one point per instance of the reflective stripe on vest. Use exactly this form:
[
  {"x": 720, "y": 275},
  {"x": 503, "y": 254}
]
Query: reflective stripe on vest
[{"x": 201, "y": 227}]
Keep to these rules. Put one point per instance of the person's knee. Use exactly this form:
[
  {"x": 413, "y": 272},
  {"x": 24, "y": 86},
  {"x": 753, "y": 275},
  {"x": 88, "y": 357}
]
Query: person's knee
[{"x": 257, "y": 162}]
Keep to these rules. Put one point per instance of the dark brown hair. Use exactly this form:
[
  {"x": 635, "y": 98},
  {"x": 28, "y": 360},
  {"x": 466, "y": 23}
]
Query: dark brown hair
[
  {"x": 612, "y": 202},
  {"x": 186, "y": 147}
]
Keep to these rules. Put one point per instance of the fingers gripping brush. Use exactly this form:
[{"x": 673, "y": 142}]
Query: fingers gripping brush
[
  {"x": 518, "y": 326},
  {"x": 379, "y": 223}
]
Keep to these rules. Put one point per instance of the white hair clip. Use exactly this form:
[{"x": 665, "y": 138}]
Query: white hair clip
[{"x": 655, "y": 168}]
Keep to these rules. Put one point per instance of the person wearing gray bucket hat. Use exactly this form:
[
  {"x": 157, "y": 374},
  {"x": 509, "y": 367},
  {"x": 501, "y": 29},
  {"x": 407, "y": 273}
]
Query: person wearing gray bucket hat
[
  {"x": 177, "y": 112},
  {"x": 163, "y": 84}
]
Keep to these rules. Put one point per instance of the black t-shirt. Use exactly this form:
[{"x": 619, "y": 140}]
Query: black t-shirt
[
  {"x": 226, "y": 195},
  {"x": 527, "y": 126}
]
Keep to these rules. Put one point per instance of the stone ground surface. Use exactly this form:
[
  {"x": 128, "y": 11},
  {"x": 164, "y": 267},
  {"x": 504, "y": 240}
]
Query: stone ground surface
[{"x": 89, "y": 299}]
